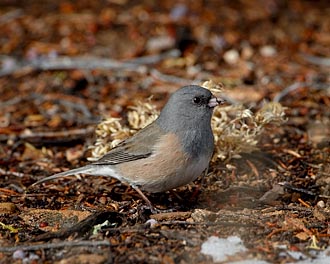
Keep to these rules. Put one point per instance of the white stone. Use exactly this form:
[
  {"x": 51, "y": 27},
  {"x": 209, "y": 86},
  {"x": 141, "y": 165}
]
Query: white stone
[
  {"x": 268, "y": 51},
  {"x": 231, "y": 56}
]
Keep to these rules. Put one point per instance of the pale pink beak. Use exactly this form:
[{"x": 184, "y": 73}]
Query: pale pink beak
[{"x": 214, "y": 101}]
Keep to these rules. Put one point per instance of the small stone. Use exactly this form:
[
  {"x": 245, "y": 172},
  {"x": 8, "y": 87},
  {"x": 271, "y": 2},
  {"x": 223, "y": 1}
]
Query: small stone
[
  {"x": 201, "y": 215},
  {"x": 231, "y": 56},
  {"x": 268, "y": 51},
  {"x": 152, "y": 223},
  {"x": 103, "y": 200},
  {"x": 160, "y": 43},
  {"x": 247, "y": 52},
  {"x": 321, "y": 204},
  {"x": 19, "y": 254},
  {"x": 43, "y": 224},
  {"x": 73, "y": 154}
]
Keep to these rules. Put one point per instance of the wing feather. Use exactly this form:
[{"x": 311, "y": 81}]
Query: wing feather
[{"x": 139, "y": 146}]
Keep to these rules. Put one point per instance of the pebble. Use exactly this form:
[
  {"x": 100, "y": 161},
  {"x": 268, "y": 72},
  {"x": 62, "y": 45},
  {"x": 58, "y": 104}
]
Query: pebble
[
  {"x": 268, "y": 51},
  {"x": 247, "y": 52},
  {"x": 19, "y": 254},
  {"x": 231, "y": 56},
  {"x": 152, "y": 223},
  {"x": 321, "y": 204}
]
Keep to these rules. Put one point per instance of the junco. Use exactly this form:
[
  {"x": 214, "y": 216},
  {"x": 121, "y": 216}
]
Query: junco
[{"x": 170, "y": 152}]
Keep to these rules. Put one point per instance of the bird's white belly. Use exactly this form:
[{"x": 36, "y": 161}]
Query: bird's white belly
[{"x": 182, "y": 177}]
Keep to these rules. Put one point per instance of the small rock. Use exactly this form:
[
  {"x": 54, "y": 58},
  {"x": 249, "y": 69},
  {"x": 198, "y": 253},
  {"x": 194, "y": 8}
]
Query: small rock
[
  {"x": 268, "y": 51},
  {"x": 178, "y": 11},
  {"x": 160, "y": 43},
  {"x": 321, "y": 204},
  {"x": 247, "y": 52},
  {"x": 201, "y": 215},
  {"x": 231, "y": 56},
  {"x": 152, "y": 223},
  {"x": 19, "y": 254},
  {"x": 73, "y": 154}
]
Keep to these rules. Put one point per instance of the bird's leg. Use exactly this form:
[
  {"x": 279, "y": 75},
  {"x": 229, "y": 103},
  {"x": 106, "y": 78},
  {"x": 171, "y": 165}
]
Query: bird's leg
[
  {"x": 152, "y": 208},
  {"x": 205, "y": 172},
  {"x": 200, "y": 186}
]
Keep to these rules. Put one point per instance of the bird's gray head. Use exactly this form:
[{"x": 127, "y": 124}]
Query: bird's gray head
[{"x": 189, "y": 107}]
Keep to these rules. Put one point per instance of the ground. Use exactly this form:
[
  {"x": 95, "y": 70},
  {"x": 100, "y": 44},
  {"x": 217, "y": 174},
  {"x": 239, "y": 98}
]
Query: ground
[{"x": 275, "y": 198}]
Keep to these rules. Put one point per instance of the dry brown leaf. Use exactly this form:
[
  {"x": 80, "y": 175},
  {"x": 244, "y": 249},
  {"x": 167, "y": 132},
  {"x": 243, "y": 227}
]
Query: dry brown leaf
[{"x": 302, "y": 236}]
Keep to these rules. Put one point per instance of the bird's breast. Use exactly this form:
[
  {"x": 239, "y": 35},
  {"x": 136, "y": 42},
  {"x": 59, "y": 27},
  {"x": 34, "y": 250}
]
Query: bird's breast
[{"x": 168, "y": 167}]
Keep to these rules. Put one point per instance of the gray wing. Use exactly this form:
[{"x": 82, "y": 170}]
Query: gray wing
[{"x": 139, "y": 146}]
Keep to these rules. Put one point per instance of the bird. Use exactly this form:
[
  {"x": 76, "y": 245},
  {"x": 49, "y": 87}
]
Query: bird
[{"x": 170, "y": 152}]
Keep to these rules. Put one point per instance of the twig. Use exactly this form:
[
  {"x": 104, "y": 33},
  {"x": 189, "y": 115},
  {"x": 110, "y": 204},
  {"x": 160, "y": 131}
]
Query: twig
[
  {"x": 152, "y": 59},
  {"x": 83, "y": 62},
  {"x": 82, "y": 227},
  {"x": 16, "y": 174},
  {"x": 324, "y": 196},
  {"x": 75, "y": 105},
  {"x": 68, "y": 63},
  {"x": 288, "y": 90},
  {"x": 296, "y": 189},
  {"x": 316, "y": 60},
  {"x": 297, "y": 85},
  {"x": 293, "y": 208},
  {"x": 7, "y": 17},
  {"x": 69, "y": 101},
  {"x": 50, "y": 137},
  {"x": 172, "y": 79},
  {"x": 82, "y": 243},
  {"x": 171, "y": 216},
  {"x": 56, "y": 134},
  {"x": 220, "y": 223},
  {"x": 13, "y": 101}
]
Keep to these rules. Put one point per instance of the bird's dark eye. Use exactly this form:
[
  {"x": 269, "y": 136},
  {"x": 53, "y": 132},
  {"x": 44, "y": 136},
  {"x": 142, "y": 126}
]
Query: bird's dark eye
[{"x": 197, "y": 100}]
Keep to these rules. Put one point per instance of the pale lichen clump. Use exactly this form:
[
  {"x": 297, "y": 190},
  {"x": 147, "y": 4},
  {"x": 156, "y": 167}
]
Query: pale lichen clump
[
  {"x": 142, "y": 114},
  {"x": 235, "y": 128},
  {"x": 110, "y": 132}
]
